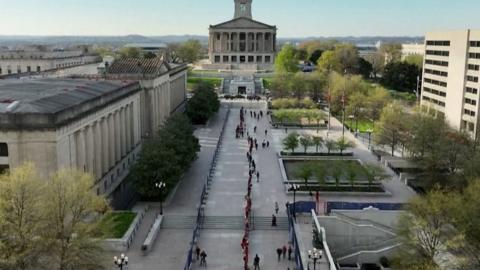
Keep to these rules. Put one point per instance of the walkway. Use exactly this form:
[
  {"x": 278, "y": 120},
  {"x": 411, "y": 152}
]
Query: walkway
[
  {"x": 226, "y": 198},
  {"x": 170, "y": 249}
]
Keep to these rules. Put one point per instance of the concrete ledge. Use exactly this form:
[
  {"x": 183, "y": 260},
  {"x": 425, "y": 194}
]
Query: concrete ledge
[
  {"x": 152, "y": 235},
  {"x": 122, "y": 244}
]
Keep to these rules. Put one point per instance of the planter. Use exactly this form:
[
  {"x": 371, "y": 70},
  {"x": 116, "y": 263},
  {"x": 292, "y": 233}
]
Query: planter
[{"x": 319, "y": 154}]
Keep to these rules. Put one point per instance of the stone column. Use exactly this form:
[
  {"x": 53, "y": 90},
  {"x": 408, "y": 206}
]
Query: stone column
[
  {"x": 118, "y": 148},
  {"x": 105, "y": 145},
  {"x": 122, "y": 134},
  {"x": 221, "y": 42},
  {"x": 127, "y": 120},
  {"x": 73, "y": 150},
  {"x": 80, "y": 137},
  {"x": 90, "y": 156},
  {"x": 255, "y": 44}
]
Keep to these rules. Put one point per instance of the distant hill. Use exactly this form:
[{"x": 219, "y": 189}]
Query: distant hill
[{"x": 122, "y": 40}]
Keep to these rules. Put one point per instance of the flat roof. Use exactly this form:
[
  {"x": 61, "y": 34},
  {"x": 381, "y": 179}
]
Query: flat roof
[{"x": 57, "y": 100}]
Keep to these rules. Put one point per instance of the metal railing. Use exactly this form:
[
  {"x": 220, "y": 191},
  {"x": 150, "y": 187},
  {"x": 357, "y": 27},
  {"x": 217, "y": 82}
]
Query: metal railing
[{"x": 200, "y": 209}]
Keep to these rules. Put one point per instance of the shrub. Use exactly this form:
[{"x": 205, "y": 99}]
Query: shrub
[{"x": 203, "y": 104}]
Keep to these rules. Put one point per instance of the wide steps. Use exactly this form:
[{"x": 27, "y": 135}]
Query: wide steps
[{"x": 223, "y": 223}]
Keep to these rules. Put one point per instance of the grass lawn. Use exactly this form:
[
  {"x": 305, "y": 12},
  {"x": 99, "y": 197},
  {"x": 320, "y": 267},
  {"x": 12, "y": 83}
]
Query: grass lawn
[
  {"x": 363, "y": 125},
  {"x": 116, "y": 224},
  {"x": 191, "y": 82},
  {"x": 291, "y": 167}
]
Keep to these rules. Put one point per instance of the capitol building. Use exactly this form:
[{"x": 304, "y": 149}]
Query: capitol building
[{"x": 242, "y": 43}]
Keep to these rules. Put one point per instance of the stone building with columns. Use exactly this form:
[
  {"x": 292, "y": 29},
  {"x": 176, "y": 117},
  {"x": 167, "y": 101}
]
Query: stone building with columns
[
  {"x": 242, "y": 43},
  {"x": 94, "y": 125}
]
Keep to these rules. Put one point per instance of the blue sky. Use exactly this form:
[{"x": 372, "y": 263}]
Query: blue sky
[{"x": 294, "y": 18}]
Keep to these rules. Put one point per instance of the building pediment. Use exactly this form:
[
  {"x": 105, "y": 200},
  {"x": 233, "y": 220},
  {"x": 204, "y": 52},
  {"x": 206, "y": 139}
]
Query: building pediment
[{"x": 242, "y": 23}]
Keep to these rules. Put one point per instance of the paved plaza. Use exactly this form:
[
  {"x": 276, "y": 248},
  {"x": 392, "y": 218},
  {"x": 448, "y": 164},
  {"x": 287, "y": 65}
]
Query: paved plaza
[{"x": 226, "y": 198}]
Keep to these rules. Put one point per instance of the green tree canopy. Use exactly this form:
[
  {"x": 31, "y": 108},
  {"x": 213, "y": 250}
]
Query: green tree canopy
[
  {"x": 291, "y": 141},
  {"x": 286, "y": 60}
]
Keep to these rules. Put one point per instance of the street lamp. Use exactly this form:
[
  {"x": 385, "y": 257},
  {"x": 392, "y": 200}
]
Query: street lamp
[
  {"x": 160, "y": 186},
  {"x": 351, "y": 117},
  {"x": 314, "y": 255},
  {"x": 120, "y": 262},
  {"x": 294, "y": 188},
  {"x": 343, "y": 103}
]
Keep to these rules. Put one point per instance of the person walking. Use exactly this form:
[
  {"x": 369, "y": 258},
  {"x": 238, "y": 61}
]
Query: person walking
[
  {"x": 255, "y": 129},
  {"x": 290, "y": 253},
  {"x": 284, "y": 251},
  {"x": 274, "y": 221},
  {"x": 268, "y": 144},
  {"x": 197, "y": 253},
  {"x": 256, "y": 262},
  {"x": 203, "y": 261},
  {"x": 276, "y": 208},
  {"x": 279, "y": 253},
  {"x": 266, "y": 132},
  {"x": 258, "y": 177}
]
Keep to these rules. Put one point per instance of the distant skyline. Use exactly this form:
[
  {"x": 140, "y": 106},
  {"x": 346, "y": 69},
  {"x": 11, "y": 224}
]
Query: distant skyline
[{"x": 294, "y": 18}]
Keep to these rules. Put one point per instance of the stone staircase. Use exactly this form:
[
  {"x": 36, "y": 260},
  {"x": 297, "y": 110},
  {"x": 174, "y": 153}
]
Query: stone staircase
[
  {"x": 223, "y": 223},
  {"x": 259, "y": 86},
  {"x": 226, "y": 85}
]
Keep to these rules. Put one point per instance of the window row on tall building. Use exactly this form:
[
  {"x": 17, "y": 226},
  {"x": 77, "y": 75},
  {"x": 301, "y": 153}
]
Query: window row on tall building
[
  {"x": 469, "y": 112},
  {"x": 436, "y": 72},
  {"x": 436, "y": 63},
  {"x": 438, "y": 42},
  {"x": 474, "y": 43},
  {"x": 439, "y": 53},
  {"x": 473, "y": 67},
  {"x": 470, "y": 101},
  {"x": 435, "y": 82},
  {"x": 472, "y": 78},
  {"x": 434, "y": 101},
  {"x": 474, "y": 55},
  {"x": 435, "y": 92},
  {"x": 472, "y": 90}
]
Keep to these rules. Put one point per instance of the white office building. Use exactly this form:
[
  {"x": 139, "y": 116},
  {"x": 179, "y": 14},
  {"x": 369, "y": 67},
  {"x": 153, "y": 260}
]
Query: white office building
[{"x": 451, "y": 77}]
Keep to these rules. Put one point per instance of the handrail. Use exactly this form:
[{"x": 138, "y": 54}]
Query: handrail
[
  {"x": 321, "y": 230},
  {"x": 200, "y": 214},
  {"x": 363, "y": 222},
  {"x": 367, "y": 247}
]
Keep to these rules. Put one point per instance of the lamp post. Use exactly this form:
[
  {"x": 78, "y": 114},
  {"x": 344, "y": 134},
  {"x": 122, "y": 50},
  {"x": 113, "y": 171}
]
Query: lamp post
[
  {"x": 315, "y": 255},
  {"x": 160, "y": 185},
  {"x": 294, "y": 188},
  {"x": 120, "y": 261},
  {"x": 343, "y": 103}
]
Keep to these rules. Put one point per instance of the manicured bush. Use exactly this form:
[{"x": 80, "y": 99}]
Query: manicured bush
[{"x": 116, "y": 224}]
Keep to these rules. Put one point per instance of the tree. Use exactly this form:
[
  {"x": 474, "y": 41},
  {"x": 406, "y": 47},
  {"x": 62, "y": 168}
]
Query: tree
[
  {"x": 165, "y": 157},
  {"x": 392, "y": 126},
  {"x": 203, "y": 104},
  {"x": 422, "y": 228},
  {"x": 130, "y": 52},
  {"x": 374, "y": 173},
  {"x": 347, "y": 57},
  {"x": 286, "y": 60},
  {"x": 317, "y": 141},
  {"x": 401, "y": 76},
  {"x": 149, "y": 55},
  {"x": 320, "y": 172},
  {"x": 189, "y": 51},
  {"x": 414, "y": 59},
  {"x": 343, "y": 144},
  {"x": 352, "y": 173},
  {"x": 336, "y": 172},
  {"x": 391, "y": 51},
  {"x": 365, "y": 68},
  {"x": 378, "y": 63},
  {"x": 357, "y": 107},
  {"x": 304, "y": 172},
  {"x": 331, "y": 145},
  {"x": 313, "y": 58},
  {"x": 376, "y": 100},
  {"x": 291, "y": 141},
  {"x": 305, "y": 141},
  {"x": 67, "y": 233},
  {"x": 20, "y": 211}
]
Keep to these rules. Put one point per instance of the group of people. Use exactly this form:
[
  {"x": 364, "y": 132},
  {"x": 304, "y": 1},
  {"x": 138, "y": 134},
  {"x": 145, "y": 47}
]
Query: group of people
[
  {"x": 283, "y": 251},
  {"x": 201, "y": 255}
]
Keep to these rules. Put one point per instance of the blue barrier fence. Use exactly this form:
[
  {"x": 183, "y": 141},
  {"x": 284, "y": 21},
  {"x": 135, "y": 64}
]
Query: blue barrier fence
[
  {"x": 293, "y": 237},
  {"x": 203, "y": 197},
  {"x": 359, "y": 206}
]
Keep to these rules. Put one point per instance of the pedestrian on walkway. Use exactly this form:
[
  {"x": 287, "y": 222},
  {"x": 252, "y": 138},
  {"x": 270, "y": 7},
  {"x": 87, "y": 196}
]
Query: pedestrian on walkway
[
  {"x": 256, "y": 262},
  {"x": 279, "y": 253},
  {"x": 274, "y": 221},
  {"x": 290, "y": 253},
  {"x": 284, "y": 251},
  {"x": 258, "y": 177},
  {"x": 268, "y": 144},
  {"x": 197, "y": 253},
  {"x": 276, "y": 208},
  {"x": 264, "y": 144},
  {"x": 255, "y": 129},
  {"x": 286, "y": 130},
  {"x": 203, "y": 261},
  {"x": 266, "y": 132},
  {"x": 256, "y": 145}
]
